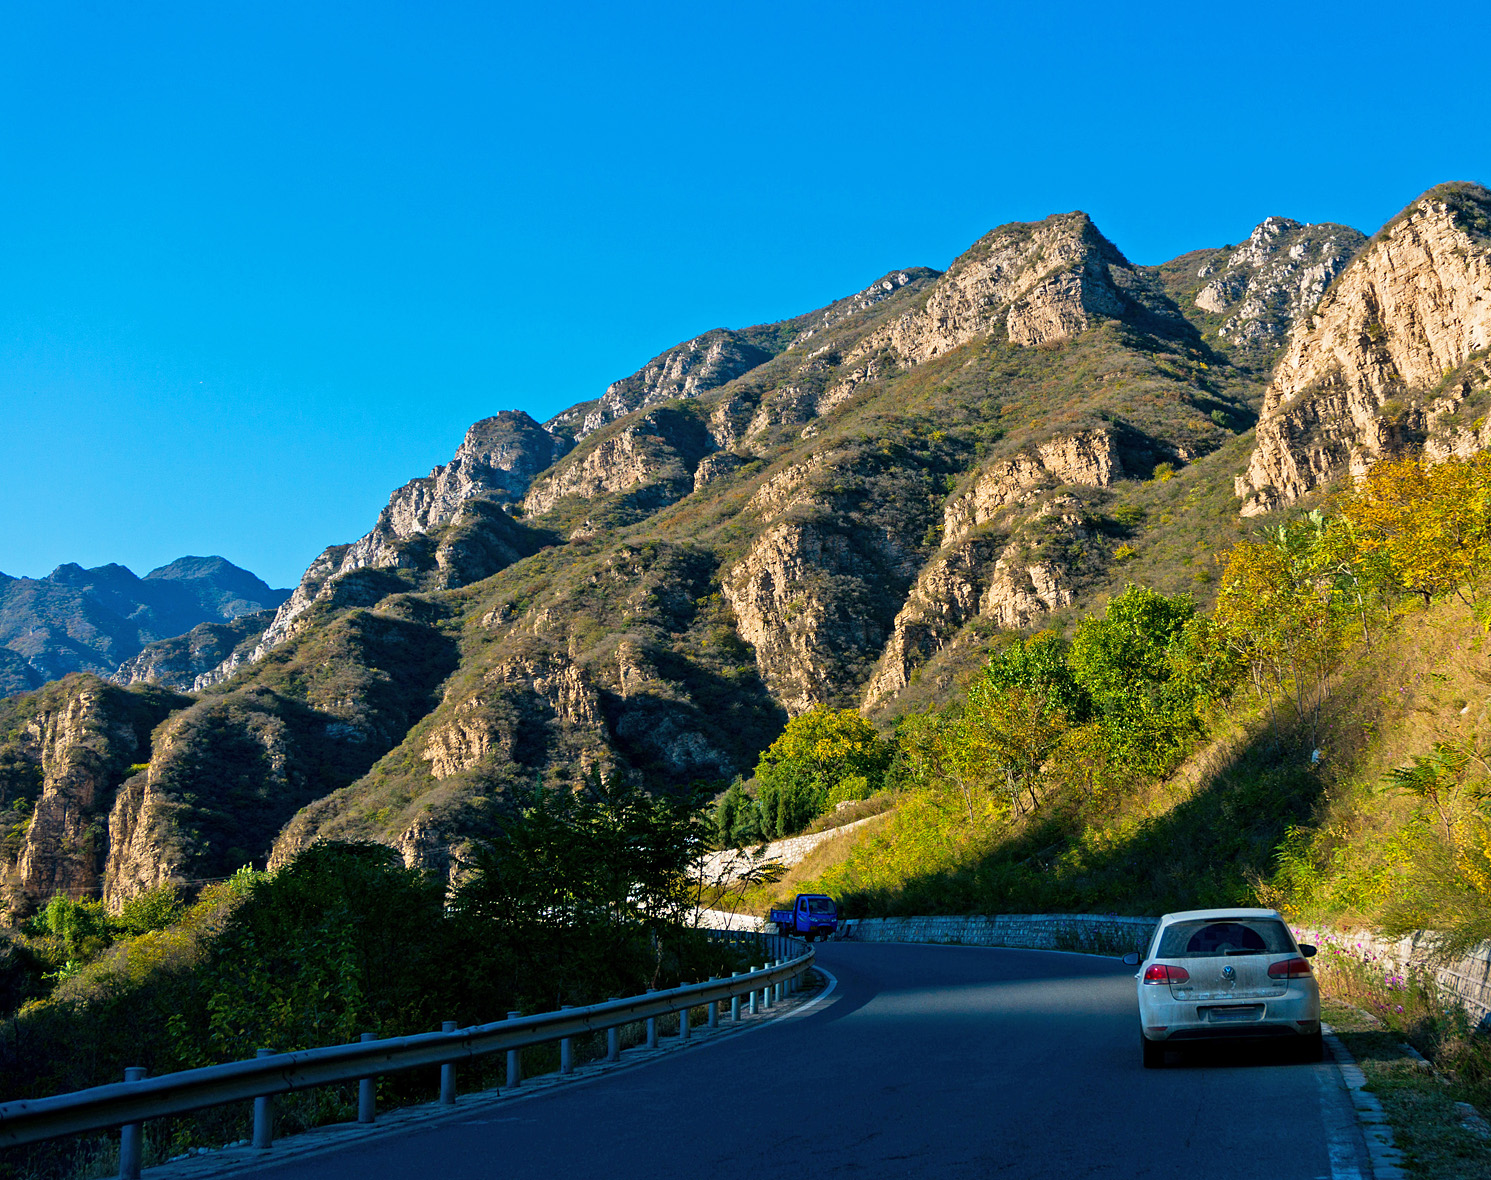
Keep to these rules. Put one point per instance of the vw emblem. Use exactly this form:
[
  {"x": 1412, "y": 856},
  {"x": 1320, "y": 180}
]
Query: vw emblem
[{"x": 1229, "y": 972}]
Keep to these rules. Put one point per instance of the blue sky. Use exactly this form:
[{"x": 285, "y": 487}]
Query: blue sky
[{"x": 262, "y": 263}]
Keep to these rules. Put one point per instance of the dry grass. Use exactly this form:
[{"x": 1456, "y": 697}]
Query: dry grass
[{"x": 833, "y": 851}]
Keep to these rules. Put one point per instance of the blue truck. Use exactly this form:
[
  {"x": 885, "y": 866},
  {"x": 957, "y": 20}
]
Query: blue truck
[{"x": 812, "y": 915}]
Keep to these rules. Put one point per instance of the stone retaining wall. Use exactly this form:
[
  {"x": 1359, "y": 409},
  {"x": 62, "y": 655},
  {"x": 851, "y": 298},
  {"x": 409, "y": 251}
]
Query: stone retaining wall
[
  {"x": 1099, "y": 933},
  {"x": 1468, "y": 979}
]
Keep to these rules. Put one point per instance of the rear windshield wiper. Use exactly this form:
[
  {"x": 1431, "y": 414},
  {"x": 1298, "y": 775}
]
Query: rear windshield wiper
[{"x": 1245, "y": 952}]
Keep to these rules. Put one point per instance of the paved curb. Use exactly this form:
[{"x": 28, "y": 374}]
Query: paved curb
[
  {"x": 243, "y": 1160},
  {"x": 1386, "y": 1159}
]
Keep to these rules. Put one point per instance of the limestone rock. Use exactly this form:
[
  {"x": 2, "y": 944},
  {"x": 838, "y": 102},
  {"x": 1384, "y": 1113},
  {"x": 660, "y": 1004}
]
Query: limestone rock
[
  {"x": 982, "y": 575},
  {"x": 81, "y": 745},
  {"x": 496, "y": 462},
  {"x": 1089, "y": 459},
  {"x": 1412, "y": 307},
  {"x": 706, "y": 362},
  {"x": 1276, "y": 278},
  {"x": 654, "y": 456}
]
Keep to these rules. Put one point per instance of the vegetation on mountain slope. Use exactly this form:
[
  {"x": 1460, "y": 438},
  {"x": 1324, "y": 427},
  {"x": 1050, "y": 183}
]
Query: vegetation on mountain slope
[{"x": 585, "y": 895}]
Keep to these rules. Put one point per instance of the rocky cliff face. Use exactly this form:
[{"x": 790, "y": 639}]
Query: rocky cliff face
[
  {"x": 1360, "y": 378},
  {"x": 1275, "y": 278},
  {"x": 1040, "y": 283},
  {"x": 696, "y": 366},
  {"x": 1247, "y": 299},
  {"x": 653, "y": 457},
  {"x": 60, "y": 768},
  {"x": 186, "y": 662},
  {"x": 999, "y": 557}
]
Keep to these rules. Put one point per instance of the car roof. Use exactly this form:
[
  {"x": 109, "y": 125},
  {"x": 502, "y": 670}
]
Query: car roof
[{"x": 1234, "y": 912}]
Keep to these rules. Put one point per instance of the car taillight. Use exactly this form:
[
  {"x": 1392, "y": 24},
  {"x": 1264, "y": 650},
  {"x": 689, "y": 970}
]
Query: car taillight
[
  {"x": 1165, "y": 973},
  {"x": 1289, "y": 969}
]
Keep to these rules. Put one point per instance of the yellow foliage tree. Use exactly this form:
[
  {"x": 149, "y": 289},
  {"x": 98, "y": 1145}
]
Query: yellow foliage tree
[{"x": 1427, "y": 526}]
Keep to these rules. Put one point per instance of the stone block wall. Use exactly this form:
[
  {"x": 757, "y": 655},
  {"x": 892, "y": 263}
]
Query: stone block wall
[
  {"x": 1467, "y": 979},
  {"x": 1095, "y": 933}
]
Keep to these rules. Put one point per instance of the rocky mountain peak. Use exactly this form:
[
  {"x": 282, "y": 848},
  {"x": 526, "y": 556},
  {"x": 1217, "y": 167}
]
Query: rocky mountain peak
[
  {"x": 1274, "y": 279},
  {"x": 1394, "y": 332},
  {"x": 1033, "y": 283}
]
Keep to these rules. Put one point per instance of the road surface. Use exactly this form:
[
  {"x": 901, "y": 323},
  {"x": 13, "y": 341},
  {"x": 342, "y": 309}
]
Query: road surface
[{"x": 927, "y": 1061}]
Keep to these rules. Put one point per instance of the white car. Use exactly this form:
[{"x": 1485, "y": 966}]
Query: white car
[{"x": 1222, "y": 974}]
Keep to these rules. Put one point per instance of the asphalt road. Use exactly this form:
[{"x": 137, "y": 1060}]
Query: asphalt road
[{"x": 924, "y": 1061}]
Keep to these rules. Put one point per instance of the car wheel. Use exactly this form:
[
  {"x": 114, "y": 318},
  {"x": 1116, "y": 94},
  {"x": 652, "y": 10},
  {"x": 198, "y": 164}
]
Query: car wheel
[
  {"x": 1154, "y": 1052},
  {"x": 1312, "y": 1047}
]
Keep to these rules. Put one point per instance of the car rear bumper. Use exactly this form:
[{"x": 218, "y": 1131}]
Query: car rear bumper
[{"x": 1296, "y": 1013}]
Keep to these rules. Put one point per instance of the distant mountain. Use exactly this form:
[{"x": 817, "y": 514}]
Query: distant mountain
[{"x": 77, "y": 620}]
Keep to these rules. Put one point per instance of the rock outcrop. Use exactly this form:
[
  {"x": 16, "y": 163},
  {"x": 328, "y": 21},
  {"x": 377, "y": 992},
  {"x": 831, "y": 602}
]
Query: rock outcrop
[
  {"x": 980, "y": 572},
  {"x": 706, "y": 362},
  {"x": 1039, "y": 282},
  {"x": 654, "y": 458},
  {"x": 1357, "y": 379},
  {"x": 1088, "y": 459},
  {"x": 1274, "y": 279},
  {"x": 80, "y": 741}
]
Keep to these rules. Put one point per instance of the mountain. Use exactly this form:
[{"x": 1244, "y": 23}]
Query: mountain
[
  {"x": 77, "y": 620},
  {"x": 1393, "y": 358},
  {"x": 842, "y": 509}
]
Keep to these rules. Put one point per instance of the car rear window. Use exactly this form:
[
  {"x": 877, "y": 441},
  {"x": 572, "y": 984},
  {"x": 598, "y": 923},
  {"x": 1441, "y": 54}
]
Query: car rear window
[{"x": 1206, "y": 938}]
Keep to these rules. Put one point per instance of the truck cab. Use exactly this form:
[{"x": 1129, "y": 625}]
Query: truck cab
[{"x": 812, "y": 915}]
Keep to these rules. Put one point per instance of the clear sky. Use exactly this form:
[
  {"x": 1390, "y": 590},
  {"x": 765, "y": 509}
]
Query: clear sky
[{"x": 263, "y": 262}]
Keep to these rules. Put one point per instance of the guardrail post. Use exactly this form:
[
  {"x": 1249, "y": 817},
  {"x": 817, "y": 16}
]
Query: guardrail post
[
  {"x": 613, "y": 1042},
  {"x": 447, "y": 1071},
  {"x": 566, "y": 1049},
  {"x": 712, "y": 1013},
  {"x": 131, "y": 1141},
  {"x": 651, "y": 1026},
  {"x": 683, "y": 1025},
  {"x": 514, "y": 1062},
  {"x": 754, "y": 999},
  {"x": 734, "y": 1000},
  {"x": 264, "y": 1113},
  {"x": 367, "y": 1092},
  {"x": 766, "y": 991}
]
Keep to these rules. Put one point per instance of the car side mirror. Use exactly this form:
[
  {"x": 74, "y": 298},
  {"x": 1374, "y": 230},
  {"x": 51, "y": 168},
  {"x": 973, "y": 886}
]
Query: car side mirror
[
  {"x": 1307, "y": 950},
  {"x": 1131, "y": 959}
]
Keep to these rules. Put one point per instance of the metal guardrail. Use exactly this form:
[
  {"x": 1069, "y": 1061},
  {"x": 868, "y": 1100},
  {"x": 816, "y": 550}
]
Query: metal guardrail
[{"x": 129, "y": 1103}]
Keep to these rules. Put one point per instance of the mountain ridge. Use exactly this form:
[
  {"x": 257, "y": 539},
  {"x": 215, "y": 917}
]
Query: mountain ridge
[{"x": 849, "y": 522}]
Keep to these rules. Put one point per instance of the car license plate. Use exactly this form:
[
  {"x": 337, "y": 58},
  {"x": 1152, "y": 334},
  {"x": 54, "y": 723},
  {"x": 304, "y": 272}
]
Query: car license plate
[{"x": 1234, "y": 1013}]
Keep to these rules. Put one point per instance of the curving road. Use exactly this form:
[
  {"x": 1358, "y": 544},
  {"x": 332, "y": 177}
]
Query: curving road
[{"x": 926, "y": 1061}]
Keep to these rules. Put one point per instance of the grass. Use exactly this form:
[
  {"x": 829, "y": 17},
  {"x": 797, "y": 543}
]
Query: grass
[{"x": 1419, "y": 1101}]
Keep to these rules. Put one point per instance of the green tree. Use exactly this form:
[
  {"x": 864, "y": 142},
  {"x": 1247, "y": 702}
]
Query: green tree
[
  {"x": 1132, "y": 663},
  {"x": 824, "y": 756}
]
